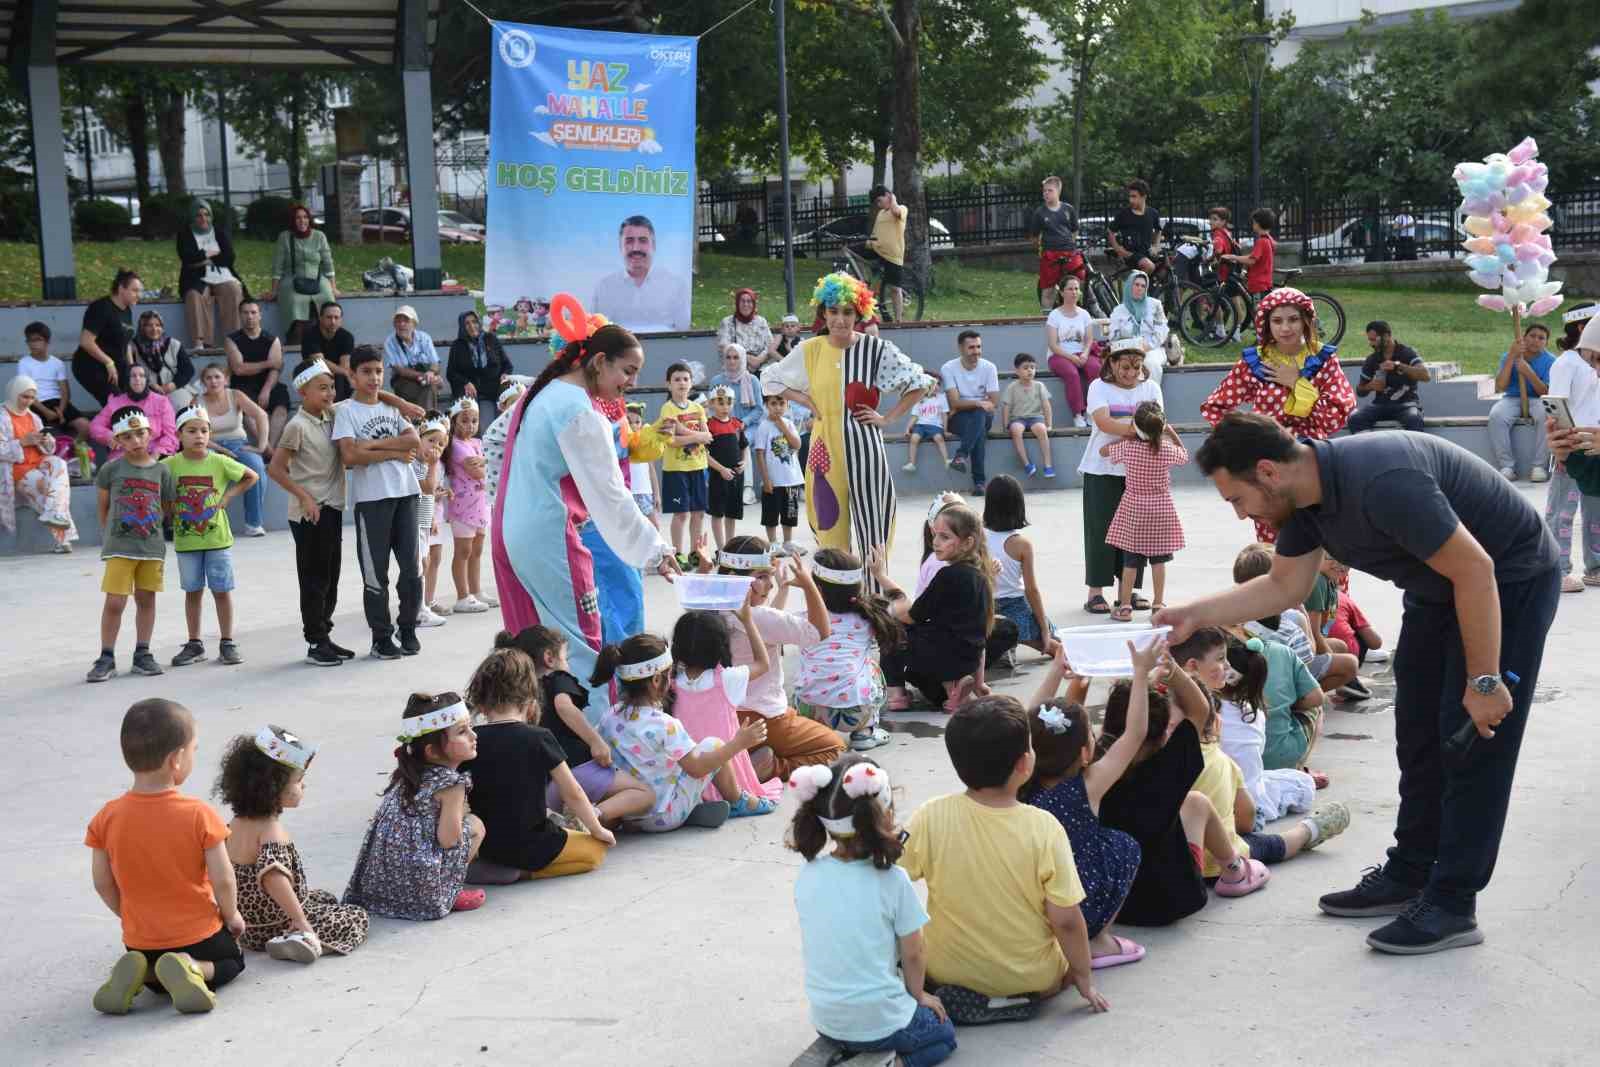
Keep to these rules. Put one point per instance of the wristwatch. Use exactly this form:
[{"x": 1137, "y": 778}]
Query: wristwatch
[{"x": 1485, "y": 683}]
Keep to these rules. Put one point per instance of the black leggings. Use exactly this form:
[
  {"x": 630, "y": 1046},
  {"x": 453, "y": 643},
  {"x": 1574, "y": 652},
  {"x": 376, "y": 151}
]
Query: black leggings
[
  {"x": 220, "y": 950},
  {"x": 1268, "y": 848},
  {"x": 918, "y": 664}
]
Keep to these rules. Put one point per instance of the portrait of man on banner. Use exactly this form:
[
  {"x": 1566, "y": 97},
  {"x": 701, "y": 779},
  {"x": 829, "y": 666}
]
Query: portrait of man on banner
[{"x": 642, "y": 296}]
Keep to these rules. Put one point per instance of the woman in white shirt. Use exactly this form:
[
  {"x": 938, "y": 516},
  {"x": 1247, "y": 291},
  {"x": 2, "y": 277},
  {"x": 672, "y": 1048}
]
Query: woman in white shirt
[
  {"x": 1073, "y": 358},
  {"x": 1576, "y": 376},
  {"x": 1140, "y": 316}
]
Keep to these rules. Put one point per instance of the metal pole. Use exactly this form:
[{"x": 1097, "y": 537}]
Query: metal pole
[
  {"x": 88, "y": 156},
  {"x": 783, "y": 161},
  {"x": 1255, "y": 143},
  {"x": 222, "y": 150}
]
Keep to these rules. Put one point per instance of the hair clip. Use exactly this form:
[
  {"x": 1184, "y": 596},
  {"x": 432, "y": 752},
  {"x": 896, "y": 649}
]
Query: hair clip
[
  {"x": 865, "y": 780},
  {"x": 1054, "y": 719},
  {"x": 1255, "y": 644},
  {"x": 805, "y": 782}
]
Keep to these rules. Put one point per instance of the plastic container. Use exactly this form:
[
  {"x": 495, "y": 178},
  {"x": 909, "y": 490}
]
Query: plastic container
[
  {"x": 1102, "y": 651},
  {"x": 713, "y": 592}
]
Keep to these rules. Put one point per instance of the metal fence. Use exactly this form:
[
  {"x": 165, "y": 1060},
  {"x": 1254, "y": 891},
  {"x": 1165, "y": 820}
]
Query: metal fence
[{"x": 1340, "y": 230}]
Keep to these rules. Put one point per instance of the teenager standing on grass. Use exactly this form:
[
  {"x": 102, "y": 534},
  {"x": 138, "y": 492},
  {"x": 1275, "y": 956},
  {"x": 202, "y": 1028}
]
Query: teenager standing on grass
[{"x": 1481, "y": 582}]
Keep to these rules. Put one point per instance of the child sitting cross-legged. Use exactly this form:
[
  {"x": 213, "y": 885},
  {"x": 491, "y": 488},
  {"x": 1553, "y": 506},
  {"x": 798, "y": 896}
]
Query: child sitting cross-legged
[
  {"x": 1070, "y": 783},
  {"x": 648, "y": 742},
  {"x": 707, "y": 691},
  {"x": 858, "y": 915},
  {"x": 1006, "y": 930},
  {"x": 517, "y": 761},
  {"x": 413, "y": 862},
  {"x": 1155, "y": 802},
  {"x": 161, "y": 866},
  {"x": 263, "y": 775},
  {"x": 840, "y": 681}
]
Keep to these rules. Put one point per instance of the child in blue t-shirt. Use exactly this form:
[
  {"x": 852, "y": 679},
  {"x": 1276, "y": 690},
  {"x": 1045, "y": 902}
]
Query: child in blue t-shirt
[{"x": 858, "y": 915}]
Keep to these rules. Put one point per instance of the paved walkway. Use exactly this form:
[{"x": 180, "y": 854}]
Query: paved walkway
[{"x": 683, "y": 949}]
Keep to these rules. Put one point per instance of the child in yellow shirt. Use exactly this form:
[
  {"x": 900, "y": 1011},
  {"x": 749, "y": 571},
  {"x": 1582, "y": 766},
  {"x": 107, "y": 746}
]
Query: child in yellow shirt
[{"x": 683, "y": 463}]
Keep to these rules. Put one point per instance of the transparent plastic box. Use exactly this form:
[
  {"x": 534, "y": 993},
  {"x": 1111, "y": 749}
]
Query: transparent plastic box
[{"x": 1102, "y": 651}]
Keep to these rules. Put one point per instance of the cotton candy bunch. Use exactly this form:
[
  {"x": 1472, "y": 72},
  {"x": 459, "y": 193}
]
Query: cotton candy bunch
[{"x": 1503, "y": 199}]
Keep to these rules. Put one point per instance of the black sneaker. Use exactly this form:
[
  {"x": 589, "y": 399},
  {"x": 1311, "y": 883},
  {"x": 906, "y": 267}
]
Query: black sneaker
[
  {"x": 104, "y": 667},
  {"x": 145, "y": 663},
  {"x": 385, "y": 648},
  {"x": 1423, "y": 928},
  {"x": 958, "y": 463},
  {"x": 1355, "y": 689},
  {"x": 228, "y": 653},
  {"x": 323, "y": 655},
  {"x": 1375, "y": 894},
  {"x": 338, "y": 650},
  {"x": 409, "y": 644},
  {"x": 192, "y": 652}
]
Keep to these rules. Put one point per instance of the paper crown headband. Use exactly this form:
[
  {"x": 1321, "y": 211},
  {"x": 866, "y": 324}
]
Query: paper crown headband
[
  {"x": 1580, "y": 314},
  {"x": 463, "y": 403},
  {"x": 190, "y": 413},
  {"x": 280, "y": 746},
  {"x": 635, "y": 672},
  {"x": 428, "y": 722},
  {"x": 129, "y": 419},
  {"x": 311, "y": 373},
  {"x": 852, "y": 576},
  {"x": 745, "y": 561},
  {"x": 510, "y": 392},
  {"x": 440, "y": 424}
]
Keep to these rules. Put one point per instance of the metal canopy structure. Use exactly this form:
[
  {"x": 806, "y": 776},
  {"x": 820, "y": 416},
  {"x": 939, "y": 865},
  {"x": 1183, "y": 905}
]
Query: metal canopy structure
[{"x": 38, "y": 37}]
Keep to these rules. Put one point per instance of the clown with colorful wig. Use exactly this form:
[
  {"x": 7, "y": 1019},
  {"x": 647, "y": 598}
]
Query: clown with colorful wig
[
  {"x": 840, "y": 376},
  {"x": 1286, "y": 376}
]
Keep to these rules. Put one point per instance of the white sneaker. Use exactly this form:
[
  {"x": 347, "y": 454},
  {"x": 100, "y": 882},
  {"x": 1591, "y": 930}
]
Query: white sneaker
[
  {"x": 469, "y": 605},
  {"x": 1539, "y": 474},
  {"x": 485, "y": 598},
  {"x": 794, "y": 550},
  {"x": 439, "y": 607},
  {"x": 1378, "y": 655},
  {"x": 1510, "y": 473},
  {"x": 427, "y": 619},
  {"x": 254, "y": 531},
  {"x": 1080, "y": 421},
  {"x": 909, "y": 467},
  {"x": 297, "y": 947}
]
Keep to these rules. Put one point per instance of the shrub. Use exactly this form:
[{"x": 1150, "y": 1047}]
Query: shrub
[
  {"x": 267, "y": 217},
  {"x": 165, "y": 214},
  {"x": 101, "y": 220},
  {"x": 18, "y": 212}
]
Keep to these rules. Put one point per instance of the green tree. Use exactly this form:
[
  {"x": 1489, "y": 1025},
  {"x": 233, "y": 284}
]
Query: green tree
[{"x": 272, "y": 113}]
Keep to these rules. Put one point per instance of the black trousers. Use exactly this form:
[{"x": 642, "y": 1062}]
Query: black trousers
[
  {"x": 926, "y": 667},
  {"x": 318, "y": 547},
  {"x": 382, "y": 527},
  {"x": 220, "y": 950},
  {"x": 91, "y": 374},
  {"x": 1453, "y": 809}
]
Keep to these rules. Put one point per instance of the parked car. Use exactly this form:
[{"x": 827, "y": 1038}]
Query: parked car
[
  {"x": 1437, "y": 238},
  {"x": 393, "y": 225},
  {"x": 851, "y": 228},
  {"x": 456, "y": 220},
  {"x": 1092, "y": 231}
]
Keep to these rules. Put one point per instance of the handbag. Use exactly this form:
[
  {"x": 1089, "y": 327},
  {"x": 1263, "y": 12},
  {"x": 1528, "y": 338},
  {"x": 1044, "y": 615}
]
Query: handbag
[{"x": 302, "y": 285}]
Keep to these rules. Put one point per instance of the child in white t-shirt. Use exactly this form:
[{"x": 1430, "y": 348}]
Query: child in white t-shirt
[
  {"x": 642, "y": 477},
  {"x": 54, "y": 384},
  {"x": 927, "y": 423},
  {"x": 776, "y": 444}
]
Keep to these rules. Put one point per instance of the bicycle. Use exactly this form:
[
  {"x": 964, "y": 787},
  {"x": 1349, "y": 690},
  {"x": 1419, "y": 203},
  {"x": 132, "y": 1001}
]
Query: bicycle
[
  {"x": 1164, "y": 281},
  {"x": 1096, "y": 295},
  {"x": 870, "y": 274},
  {"x": 1210, "y": 318}
]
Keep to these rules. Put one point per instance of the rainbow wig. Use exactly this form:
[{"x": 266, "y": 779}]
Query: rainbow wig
[{"x": 843, "y": 290}]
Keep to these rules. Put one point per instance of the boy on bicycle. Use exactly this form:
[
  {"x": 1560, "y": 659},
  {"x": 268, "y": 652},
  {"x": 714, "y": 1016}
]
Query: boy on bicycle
[
  {"x": 1053, "y": 227},
  {"x": 887, "y": 245}
]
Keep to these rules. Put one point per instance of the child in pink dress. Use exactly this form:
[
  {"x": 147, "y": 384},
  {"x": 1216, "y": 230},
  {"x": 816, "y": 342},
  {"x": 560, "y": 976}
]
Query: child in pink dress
[
  {"x": 1146, "y": 526},
  {"x": 706, "y": 692},
  {"x": 468, "y": 508}
]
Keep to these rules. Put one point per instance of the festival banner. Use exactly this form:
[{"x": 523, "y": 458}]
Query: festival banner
[{"x": 591, "y": 176}]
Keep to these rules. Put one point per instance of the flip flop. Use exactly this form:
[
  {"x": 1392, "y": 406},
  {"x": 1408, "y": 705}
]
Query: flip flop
[
  {"x": 1140, "y": 603},
  {"x": 1129, "y": 952},
  {"x": 1122, "y": 614},
  {"x": 1096, "y": 605}
]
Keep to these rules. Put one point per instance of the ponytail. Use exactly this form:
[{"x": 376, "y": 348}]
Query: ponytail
[
  {"x": 1249, "y": 691},
  {"x": 411, "y": 757},
  {"x": 640, "y": 648}
]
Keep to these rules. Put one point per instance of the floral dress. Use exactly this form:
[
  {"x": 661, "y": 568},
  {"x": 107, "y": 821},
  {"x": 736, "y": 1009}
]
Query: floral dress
[
  {"x": 840, "y": 682},
  {"x": 649, "y": 743},
  {"x": 1107, "y": 859},
  {"x": 402, "y": 871},
  {"x": 1318, "y": 405},
  {"x": 340, "y": 927}
]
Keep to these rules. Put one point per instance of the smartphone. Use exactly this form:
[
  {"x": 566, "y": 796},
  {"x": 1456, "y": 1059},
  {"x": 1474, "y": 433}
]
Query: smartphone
[{"x": 1556, "y": 407}]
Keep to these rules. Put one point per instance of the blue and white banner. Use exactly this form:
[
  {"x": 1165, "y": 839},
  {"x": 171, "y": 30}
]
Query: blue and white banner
[{"x": 591, "y": 175}]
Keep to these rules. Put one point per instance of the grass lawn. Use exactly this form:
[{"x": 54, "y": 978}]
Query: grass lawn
[{"x": 1441, "y": 324}]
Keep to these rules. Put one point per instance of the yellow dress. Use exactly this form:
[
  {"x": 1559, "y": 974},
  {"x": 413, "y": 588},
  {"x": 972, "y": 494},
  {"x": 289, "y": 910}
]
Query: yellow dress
[{"x": 826, "y": 460}]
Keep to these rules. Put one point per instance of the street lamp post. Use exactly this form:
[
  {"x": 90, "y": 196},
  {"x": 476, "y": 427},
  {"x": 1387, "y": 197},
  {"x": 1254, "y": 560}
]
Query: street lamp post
[
  {"x": 1257, "y": 50},
  {"x": 783, "y": 159}
]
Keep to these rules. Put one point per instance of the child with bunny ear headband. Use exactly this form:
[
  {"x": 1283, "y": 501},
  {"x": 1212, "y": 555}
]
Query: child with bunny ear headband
[{"x": 857, "y": 918}]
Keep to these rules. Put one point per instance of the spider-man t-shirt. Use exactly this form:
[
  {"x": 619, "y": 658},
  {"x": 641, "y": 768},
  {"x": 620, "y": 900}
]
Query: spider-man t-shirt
[
  {"x": 199, "y": 523},
  {"x": 133, "y": 520}
]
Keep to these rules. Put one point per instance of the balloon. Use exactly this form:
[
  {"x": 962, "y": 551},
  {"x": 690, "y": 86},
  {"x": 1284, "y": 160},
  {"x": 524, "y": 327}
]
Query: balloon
[{"x": 568, "y": 317}]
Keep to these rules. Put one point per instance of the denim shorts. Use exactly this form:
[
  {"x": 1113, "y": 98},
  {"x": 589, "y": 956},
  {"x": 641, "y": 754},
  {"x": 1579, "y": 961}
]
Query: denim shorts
[
  {"x": 208, "y": 568},
  {"x": 1028, "y": 422},
  {"x": 927, "y": 430}
]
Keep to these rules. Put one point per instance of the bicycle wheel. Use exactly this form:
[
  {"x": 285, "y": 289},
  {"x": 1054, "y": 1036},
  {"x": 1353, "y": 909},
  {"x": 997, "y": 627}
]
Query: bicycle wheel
[
  {"x": 1101, "y": 297},
  {"x": 1207, "y": 318},
  {"x": 1330, "y": 318}
]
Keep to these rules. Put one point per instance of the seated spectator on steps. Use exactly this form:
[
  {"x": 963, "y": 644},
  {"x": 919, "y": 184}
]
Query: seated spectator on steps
[
  {"x": 206, "y": 279},
  {"x": 169, "y": 367},
  {"x": 477, "y": 366},
  {"x": 1525, "y": 366},
  {"x": 1390, "y": 376},
  {"x": 163, "y": 422}
]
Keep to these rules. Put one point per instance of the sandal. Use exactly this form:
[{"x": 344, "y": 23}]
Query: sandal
[
  {"x": 1140, "y": 603},
  {"x": 1255, "y": 876},
  {"x": 469, "y": 900},
  {"x": 1123, "y": 613},
  {"x": 1096, "y": 605},
  {"x": 1127, "y": 952},
  {"x": 709, "y": 814},
  {"x": 1319, "y": 777},
  {"x": 749, "y": 804},
  {"x": 972, "y": 1008},
  {"x": 1155, "y": 606}
]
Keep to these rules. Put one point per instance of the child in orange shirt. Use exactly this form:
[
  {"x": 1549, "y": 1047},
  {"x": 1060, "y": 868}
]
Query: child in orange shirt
[{"x": 161, "y": 866}]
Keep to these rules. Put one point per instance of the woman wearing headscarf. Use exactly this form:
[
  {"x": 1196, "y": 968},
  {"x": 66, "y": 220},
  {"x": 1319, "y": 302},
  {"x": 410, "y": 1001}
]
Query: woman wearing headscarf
[
  {"x": 746, "y": 329},
  {"x": 476, "y": 363},
  {"x": 1143, "y": 317},
  {"x": 169, "y": 366},
  {"x": 29, "y": 468},
  {"x": 1287, "y": 376},
  {"x": 206, "y": 278},
  {"x": 850, "y": 498},
  {"x": 163, "y": 420},
  {"x": 302, "y": 273}
]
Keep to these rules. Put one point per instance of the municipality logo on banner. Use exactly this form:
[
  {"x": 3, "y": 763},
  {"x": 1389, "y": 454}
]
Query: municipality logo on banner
[{"x": 591, "y": 168}]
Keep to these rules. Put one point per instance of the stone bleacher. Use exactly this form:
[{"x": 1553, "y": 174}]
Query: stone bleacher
[{"x": 1455, "y": 407}]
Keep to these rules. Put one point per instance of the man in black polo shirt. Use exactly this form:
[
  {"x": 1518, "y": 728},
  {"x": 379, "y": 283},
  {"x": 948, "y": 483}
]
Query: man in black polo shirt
[
  {"x": 1134, "y": 229},
  {"x": 334, "y": 344},
  {"x": 1481, "y": 584},
  {"x": 1390, "y": 376}
]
